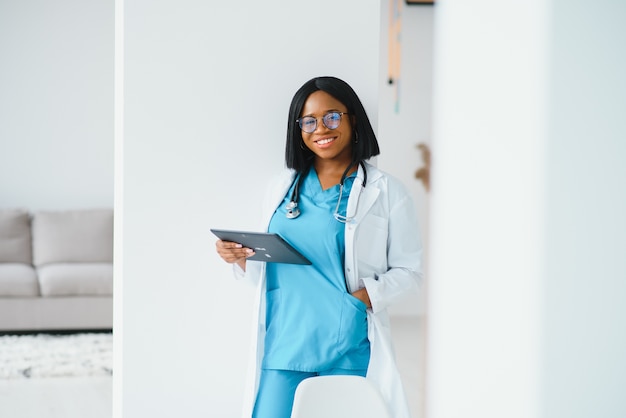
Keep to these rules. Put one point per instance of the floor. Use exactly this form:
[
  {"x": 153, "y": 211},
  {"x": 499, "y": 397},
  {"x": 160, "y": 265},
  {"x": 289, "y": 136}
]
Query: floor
[
  {"x": 408, "y": 338},
  {"x": 91, "y": 396},
  {"x": 56, "y": 398}
]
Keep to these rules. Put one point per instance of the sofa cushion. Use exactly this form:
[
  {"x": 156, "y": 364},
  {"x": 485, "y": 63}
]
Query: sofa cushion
[
  {"x": 17, "y": 280},
  {"x": 15, "y": 237},
  {"x": 76, "y": 279},
  {"x": 76, "y": 236}
]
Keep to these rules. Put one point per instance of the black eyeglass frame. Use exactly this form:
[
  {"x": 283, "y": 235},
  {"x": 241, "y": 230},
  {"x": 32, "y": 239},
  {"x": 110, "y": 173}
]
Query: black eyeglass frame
[{"x": 299, "y": 121}]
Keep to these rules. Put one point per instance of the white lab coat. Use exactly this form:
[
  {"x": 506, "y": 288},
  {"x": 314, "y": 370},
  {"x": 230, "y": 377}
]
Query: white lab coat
[{"x": 383, "y": 253}]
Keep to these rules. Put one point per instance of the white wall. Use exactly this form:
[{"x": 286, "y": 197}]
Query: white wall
[
  {"x": 198, "y": 76},
  {"x": 527, "y": 297},
  {"x": 56, "y": 104},
  {"x": 408, "y": 122}
]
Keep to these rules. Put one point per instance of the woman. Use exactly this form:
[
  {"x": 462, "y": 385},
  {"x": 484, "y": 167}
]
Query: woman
[{"x": 358, "y": 227}]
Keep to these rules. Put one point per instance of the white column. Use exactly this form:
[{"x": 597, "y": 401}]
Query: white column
[
  {"x": 583, "y": 359},
  {"x": 527, "y": 296}
]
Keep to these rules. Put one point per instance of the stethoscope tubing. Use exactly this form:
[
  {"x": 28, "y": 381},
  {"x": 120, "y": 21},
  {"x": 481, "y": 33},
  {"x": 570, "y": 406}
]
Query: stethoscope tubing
[{"x": 292, "y": 207}]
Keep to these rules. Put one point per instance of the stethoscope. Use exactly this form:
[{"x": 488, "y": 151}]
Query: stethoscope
[{"x": 292, "y": 207}]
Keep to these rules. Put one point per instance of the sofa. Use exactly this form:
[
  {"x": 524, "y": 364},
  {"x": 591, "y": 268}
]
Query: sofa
[{"x": 56, "y": 270}]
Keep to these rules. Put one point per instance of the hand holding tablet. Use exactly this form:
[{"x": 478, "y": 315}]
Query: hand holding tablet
[{"x": 268, "y": 247}]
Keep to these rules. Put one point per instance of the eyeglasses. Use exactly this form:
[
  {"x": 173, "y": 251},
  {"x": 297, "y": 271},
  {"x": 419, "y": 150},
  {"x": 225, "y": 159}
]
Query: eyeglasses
[{"x": 331, "y": 120}]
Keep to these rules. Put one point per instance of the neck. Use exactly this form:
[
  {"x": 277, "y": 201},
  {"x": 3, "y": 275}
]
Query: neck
[{"x": 330, "y": 173}]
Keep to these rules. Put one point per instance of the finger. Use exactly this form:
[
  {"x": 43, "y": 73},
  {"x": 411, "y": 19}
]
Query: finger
[
  {"x": 233, "y": 249},
  {"x": 227, "y": 244},
  {"x": 229, "y": 258},
  {"x": 232, "y": 255},
  {"x": 242, "y": 253}
]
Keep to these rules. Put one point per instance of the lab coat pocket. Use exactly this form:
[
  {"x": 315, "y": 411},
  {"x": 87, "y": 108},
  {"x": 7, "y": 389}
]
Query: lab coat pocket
[
  {"x": 372, "y": 241},
  {"x": 352, "y": 324}
]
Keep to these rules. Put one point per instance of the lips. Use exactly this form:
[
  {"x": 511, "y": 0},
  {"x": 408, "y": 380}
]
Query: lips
[{"x": 325, "y": 141}]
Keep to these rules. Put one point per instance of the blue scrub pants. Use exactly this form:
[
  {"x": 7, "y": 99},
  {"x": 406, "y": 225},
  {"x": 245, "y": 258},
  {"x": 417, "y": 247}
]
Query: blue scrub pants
[{"x": 277, "y": 389}]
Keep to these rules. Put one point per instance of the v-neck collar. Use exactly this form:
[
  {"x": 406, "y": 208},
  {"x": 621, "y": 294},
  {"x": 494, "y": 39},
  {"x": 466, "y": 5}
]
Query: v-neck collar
[{"x": 313, "y": 184}]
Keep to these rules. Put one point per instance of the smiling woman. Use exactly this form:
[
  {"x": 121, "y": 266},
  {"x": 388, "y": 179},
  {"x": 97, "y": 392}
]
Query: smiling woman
[{"x": 328, "y": 318}]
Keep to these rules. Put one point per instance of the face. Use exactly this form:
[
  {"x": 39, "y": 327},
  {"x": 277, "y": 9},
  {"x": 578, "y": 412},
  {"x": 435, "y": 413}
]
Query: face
[{"x": 328, "y": 144}]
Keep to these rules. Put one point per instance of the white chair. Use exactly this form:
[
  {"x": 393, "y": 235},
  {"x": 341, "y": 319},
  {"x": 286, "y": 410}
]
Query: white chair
[{"x": 338, "y": 397}]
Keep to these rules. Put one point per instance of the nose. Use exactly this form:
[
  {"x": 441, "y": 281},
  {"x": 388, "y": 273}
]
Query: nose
[{"x": 320, "y": 125}]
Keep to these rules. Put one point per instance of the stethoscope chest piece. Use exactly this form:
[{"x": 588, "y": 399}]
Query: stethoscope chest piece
[{"x": 292, "y": 210}]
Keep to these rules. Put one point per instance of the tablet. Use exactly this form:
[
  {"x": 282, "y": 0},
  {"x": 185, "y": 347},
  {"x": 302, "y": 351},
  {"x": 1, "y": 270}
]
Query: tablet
[{"x": 268, "y": 247}]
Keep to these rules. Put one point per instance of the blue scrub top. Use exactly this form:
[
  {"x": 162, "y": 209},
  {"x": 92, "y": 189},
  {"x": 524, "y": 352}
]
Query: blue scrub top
[{"x": 313, "y": 324}]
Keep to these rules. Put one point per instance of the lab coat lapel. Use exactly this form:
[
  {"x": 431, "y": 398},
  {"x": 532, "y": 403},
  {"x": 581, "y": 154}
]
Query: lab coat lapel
[
  {"x": 362, "y": 198},
  {"x": 365, "y": 200},
  {"x": 276, "y": 196}
]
